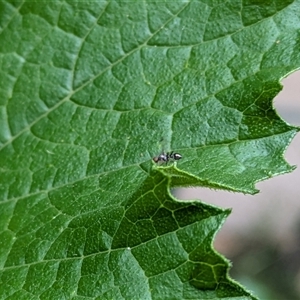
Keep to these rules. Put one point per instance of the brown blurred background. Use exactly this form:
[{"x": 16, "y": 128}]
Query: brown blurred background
[{"x": 262, "y": 235}]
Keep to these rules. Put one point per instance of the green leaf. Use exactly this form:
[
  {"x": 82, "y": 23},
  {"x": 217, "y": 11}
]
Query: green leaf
[{"x": 90, "y": 92}]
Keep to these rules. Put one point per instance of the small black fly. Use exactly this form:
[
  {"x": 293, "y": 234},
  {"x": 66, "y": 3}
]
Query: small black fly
[{"x": 167, "y": 157}]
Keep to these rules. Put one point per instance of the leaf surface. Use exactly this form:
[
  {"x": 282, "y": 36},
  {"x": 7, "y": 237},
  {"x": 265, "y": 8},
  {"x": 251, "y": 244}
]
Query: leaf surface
[{"x": 90, "y": 92}]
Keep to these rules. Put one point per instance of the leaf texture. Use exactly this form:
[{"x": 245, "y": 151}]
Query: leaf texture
[{"x": 90, "y": 92}]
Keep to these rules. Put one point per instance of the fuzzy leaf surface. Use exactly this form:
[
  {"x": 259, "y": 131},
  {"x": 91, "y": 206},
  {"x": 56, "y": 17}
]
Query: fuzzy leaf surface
[{"x": 90, "y": 92}]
